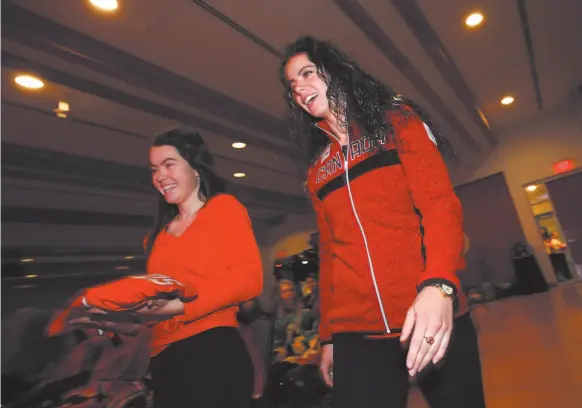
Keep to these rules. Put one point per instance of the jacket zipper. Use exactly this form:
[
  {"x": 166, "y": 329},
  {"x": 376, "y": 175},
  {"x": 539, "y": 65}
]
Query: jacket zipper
[{"x": 361, "y": 228}]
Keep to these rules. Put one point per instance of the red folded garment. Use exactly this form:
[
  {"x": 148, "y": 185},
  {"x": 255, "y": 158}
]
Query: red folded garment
[{"x": 122, "y": 295}]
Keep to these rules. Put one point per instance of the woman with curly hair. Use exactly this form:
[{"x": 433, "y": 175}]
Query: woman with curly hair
[{"x": 391, "y": 237}]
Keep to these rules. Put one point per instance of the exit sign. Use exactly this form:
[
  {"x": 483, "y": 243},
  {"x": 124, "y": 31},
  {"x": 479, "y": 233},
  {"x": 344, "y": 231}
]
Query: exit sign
[{"x": 563, "y": 166}]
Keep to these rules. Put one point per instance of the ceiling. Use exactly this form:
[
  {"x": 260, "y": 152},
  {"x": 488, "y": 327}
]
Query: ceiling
[{"x": 213, "y": 66}]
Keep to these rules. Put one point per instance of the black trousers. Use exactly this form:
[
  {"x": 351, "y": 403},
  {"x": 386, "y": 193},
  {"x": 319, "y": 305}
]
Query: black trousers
[
  {"x": 284, "y": 389},
  {"x": 212, "y": 369},
  {"x": 372, "y": 373}
]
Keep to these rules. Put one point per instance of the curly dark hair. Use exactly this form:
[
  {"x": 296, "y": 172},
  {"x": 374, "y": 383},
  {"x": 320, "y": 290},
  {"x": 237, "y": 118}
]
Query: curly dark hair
[{"x": 354, "y": 96}]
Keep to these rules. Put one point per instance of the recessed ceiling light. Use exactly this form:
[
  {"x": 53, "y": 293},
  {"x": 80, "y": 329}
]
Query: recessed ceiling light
[
  {"x": 239, "y": 145},
  {"x": 63, "y": 106},
  {"x": 107, "y": 5},
  {"x": 474, "y": 19},
  {"x": 531, "y": 188},
  {"x": 507, "y": 100},
  {"x": 29, "y": 82},
  {"x": 239, "y": 175},
  {"x": 62, "y": 109}
]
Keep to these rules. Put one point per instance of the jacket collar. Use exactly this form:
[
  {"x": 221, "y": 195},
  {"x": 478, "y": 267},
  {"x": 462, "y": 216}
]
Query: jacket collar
[{"x": 322, "y": 124}]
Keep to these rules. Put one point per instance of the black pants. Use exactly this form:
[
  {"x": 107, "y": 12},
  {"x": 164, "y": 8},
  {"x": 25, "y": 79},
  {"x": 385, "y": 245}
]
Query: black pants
[
  {"x": 372, "y": 373},
  {"x": 293, "y": 385},
  {"x": 212, "y": 369}
]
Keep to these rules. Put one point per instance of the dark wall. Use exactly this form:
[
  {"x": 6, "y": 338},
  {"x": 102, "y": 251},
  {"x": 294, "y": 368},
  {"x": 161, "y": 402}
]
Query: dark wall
[{"x": 492, "y": 225}]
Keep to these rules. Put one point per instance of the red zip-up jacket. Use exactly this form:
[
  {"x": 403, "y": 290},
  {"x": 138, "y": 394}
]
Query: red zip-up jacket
[{"x": 390, "y": 224}]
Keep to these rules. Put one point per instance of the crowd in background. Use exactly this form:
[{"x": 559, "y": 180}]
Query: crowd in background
[{"x": 291, "y": 371}]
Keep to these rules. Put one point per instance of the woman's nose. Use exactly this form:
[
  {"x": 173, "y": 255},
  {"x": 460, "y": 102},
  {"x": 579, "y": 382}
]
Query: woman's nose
[
  {"x": 160, "y": 176},
  {"x": 298, "y": 88}
]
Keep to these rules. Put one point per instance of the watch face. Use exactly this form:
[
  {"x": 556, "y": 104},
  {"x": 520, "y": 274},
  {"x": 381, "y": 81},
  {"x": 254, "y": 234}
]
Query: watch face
[{"x": 447, "y": 289}]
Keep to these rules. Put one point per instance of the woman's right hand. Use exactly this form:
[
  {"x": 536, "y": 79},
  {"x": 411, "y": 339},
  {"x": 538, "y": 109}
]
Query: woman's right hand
[
  {"x": 160, "y": 309},
  {"x": 326, "y": 365},
  {"x": 118, "y": 322},
  {"x": 97, "y": 322}
]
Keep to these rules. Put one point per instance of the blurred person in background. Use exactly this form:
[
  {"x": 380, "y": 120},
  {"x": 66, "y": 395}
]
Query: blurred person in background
[
  {"x": 296, "y": 349},
  {"x": 391, "y": 238},
  {"x": 556, "y": 249},
  {"x": 295, "y": 332},
  {"x": 249, "y": 313},
  {"x": 310, "y": 292}
]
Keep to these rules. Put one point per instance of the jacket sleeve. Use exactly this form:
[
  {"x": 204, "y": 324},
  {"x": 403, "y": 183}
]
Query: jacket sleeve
[
  {"x": 239, "y": 276},
  {"x": 433, "y": 195},
  {"x": 325, "y": 270}
]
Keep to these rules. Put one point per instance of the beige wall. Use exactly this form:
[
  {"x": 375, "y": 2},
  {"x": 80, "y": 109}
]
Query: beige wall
[
  {"x": 526, "y": 153},
  {"x": 292, "y": 236}
]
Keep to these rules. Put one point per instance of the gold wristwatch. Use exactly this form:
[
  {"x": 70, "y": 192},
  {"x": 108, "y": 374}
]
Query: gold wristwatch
[{"x": 446, "y": 290}]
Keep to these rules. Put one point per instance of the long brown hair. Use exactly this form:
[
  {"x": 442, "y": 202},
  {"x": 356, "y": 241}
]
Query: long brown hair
[{"x": 191, "y": 147}]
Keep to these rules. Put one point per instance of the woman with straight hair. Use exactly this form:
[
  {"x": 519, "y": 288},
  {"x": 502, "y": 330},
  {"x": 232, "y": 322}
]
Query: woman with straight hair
[{"x": 202, "y": 239}]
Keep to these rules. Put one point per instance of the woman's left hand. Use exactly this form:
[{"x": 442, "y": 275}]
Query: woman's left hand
[{"x": 429, "y": 321}]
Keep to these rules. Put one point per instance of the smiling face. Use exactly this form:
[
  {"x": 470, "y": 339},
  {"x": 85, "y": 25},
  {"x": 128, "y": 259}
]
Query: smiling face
[
  {"x": 308, "y": 89},
  {"x": 172, "y": 176}
]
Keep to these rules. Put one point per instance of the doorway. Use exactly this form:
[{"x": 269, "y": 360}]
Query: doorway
[
  {"x": 555, "y": 203},
  {"x": 488, "y": 261}
]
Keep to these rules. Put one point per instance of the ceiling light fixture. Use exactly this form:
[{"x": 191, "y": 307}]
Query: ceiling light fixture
[
  {"x": 531, "y": 188},
  {"x": 239, "y": 175},
  {"x": 107, "y": 5},
  {"x": 29, "y": 82},
  {"x": 239, "y": 145},
  {"x": 474, "y": 20},
  {"x": 507, "y": 100},
  {"x": 62, "y": 110}
]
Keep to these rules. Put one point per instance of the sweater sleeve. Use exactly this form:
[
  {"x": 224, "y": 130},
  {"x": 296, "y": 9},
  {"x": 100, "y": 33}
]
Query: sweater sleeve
[
  {"x": 325, "y": 270},
  {"x": 433, "y": 195},
  {"x": 239, "y": 276}
]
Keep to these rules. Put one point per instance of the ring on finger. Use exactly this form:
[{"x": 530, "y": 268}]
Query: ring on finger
[{"x": 429, "y": 340}]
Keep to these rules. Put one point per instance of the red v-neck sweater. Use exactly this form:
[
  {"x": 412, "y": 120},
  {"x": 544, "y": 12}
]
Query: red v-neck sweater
[{"x": 219, "y": 256}]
